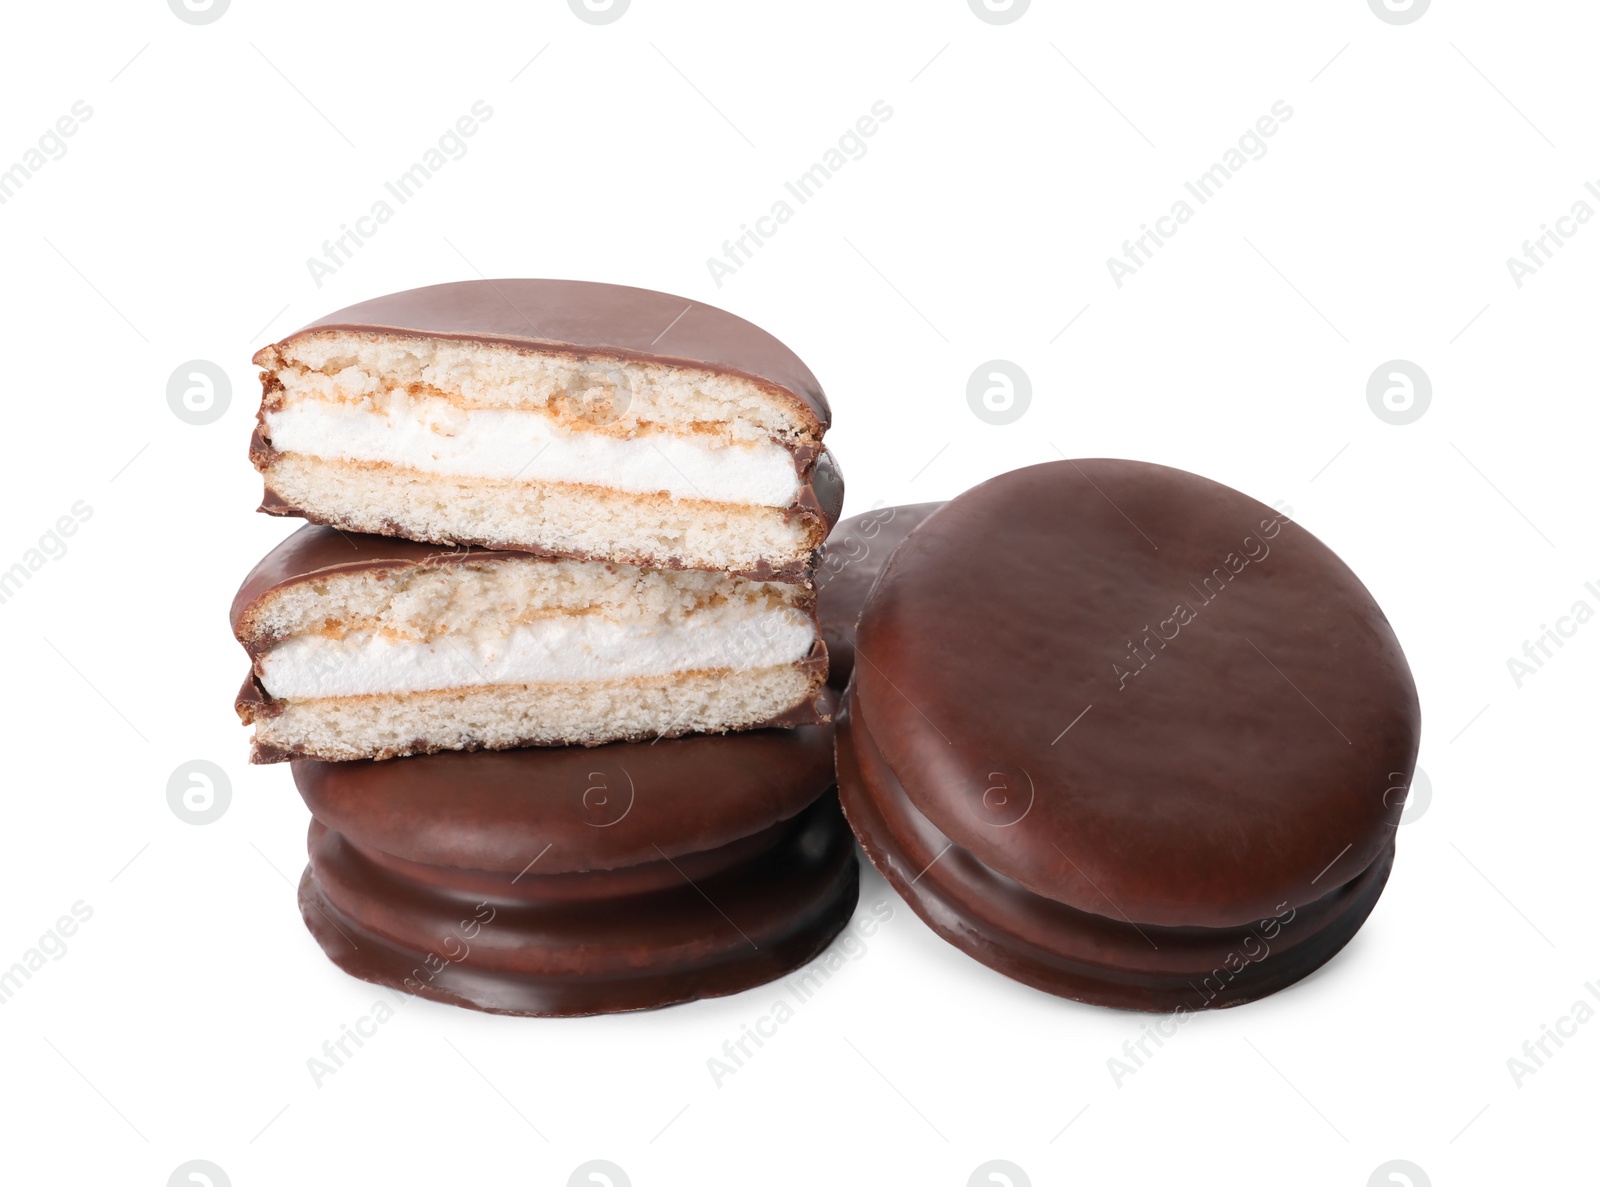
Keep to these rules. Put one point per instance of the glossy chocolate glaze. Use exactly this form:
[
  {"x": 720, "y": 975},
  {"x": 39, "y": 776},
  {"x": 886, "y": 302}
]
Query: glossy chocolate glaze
[
  {"x": 572, "y": 809},
  {"x": 1101, "y": 959},
  {"x": 850, "y": 561},
  {"x": 661, "y": 871},
  {"x": 1249, "y": 762},
  {"x": 496, "y": 946},
  {"x": 581, "y": 317}
]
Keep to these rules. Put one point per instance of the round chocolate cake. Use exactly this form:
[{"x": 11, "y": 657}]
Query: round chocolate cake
[
  {"x": 1128, "y": 735},
  {"x": 580, "y": 880}
]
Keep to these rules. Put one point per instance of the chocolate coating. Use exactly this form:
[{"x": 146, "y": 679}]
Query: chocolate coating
[
  {"x": 1061, "y": 693},
  {"x": 1095, "y": 958},
  {"x": 572, "y": 809},
  {"x": 582, "y": 318},
  {"x": 600, "y": 946},
  {"x": 850, "y": 561}
]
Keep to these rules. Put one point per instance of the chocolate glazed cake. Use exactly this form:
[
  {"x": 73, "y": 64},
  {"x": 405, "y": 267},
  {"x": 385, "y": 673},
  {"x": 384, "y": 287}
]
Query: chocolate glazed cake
[
  {"x": 570, "y": 881},
  {"x": 1128, "y": 736}
]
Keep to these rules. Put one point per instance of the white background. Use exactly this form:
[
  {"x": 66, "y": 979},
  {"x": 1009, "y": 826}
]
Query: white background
[{"x": 1018, "y": 158}]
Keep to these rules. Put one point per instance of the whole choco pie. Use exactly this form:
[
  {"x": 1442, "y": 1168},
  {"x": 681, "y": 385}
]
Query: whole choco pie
[
  {"x": 580, "y": 880},
  {"x": 1128, "y": 736}
]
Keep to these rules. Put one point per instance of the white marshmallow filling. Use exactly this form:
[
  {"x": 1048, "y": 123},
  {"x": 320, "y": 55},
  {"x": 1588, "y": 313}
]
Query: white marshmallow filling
[
  {"x": 435, "y": 436},
  {"x": 557, "y": 648}
]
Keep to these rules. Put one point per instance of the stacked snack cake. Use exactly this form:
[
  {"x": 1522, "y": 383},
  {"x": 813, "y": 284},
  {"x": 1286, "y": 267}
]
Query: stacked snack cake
[{"x": 546, "y": 660}]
